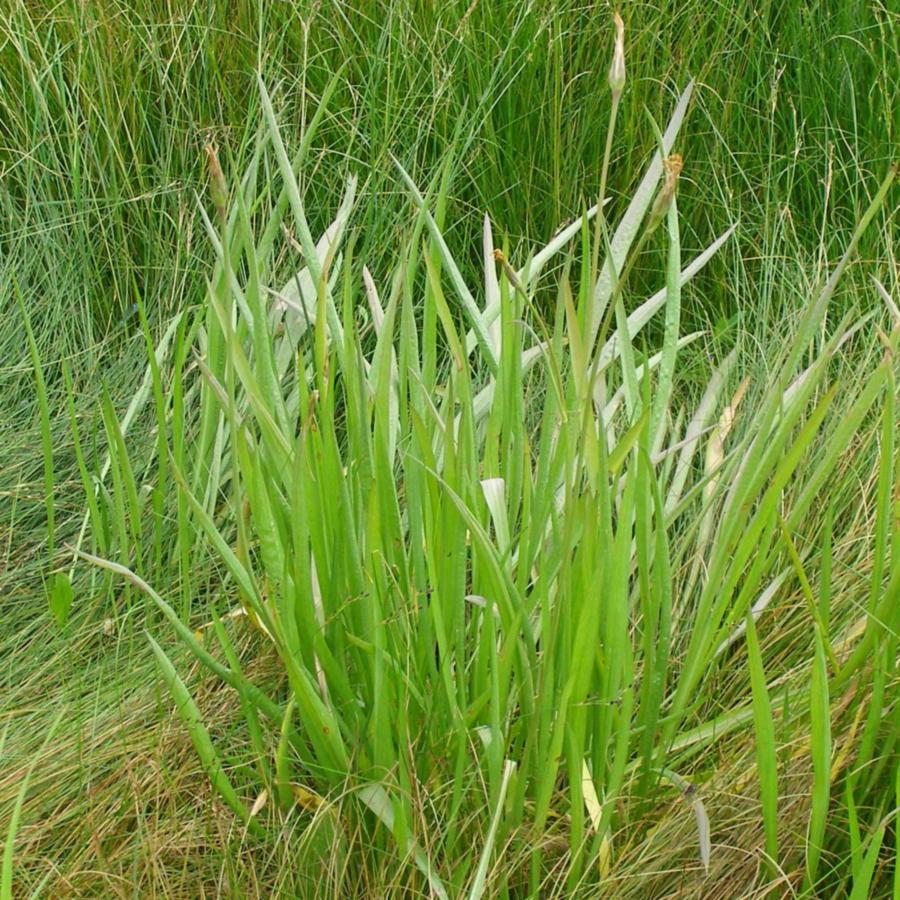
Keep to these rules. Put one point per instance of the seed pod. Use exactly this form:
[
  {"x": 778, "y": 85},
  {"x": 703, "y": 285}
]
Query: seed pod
[{"x": 617, "y": 68}]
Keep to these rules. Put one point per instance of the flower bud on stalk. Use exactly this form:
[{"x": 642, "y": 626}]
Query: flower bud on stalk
[
  {"x": 617, "y": 68},
  {"x": 663, "y": 201}
]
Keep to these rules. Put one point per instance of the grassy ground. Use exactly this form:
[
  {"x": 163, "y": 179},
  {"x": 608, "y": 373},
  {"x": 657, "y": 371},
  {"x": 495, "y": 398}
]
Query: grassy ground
[{"x": 105, "y": 110}]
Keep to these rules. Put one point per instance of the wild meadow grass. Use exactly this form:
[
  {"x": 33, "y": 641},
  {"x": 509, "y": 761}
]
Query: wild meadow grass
[{"x": 397, "y": 552}]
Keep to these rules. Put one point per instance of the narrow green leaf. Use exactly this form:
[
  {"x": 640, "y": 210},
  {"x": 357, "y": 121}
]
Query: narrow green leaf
[
  {"x": 61, "y": 598},
  {"x": 190, "y": 716},
  {"x": 820, "y": 734},
  {"x": 766, "y": 757}
]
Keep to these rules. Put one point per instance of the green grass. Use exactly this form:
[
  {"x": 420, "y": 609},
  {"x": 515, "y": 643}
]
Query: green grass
[{"x": 399, "y": 567}]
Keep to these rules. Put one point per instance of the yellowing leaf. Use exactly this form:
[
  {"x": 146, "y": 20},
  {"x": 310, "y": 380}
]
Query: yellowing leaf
[
  {"x": 305, "y": 798},
  {"x": 591, "y": 801},
  {"x": 595, "y": 813},
  {"x": 715, "y": 451},
  {"x": 605, "y": 859},
  {"x": 259, "y": 803}
]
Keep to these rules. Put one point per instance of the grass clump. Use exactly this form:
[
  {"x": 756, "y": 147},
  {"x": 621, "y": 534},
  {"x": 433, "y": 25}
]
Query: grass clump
[
  {"x": 481, "y": 585},
  {"x": 486, "y": 552}
]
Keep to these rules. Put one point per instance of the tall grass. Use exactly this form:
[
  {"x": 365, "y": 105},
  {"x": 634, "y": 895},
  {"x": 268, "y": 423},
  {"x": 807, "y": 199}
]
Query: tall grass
[{"x": 106, "y": 107}]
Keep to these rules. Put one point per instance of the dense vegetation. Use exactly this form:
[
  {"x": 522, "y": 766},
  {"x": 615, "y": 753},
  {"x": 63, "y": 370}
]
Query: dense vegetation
[{"x": 381, "y": 519}]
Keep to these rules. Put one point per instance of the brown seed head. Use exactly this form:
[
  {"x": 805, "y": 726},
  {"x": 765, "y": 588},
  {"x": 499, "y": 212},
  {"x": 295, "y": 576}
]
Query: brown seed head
[
  {"x": 673, "y": 166},
  {"x": 511, "y": 275},
  {"x": 217, "y": 186}
]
